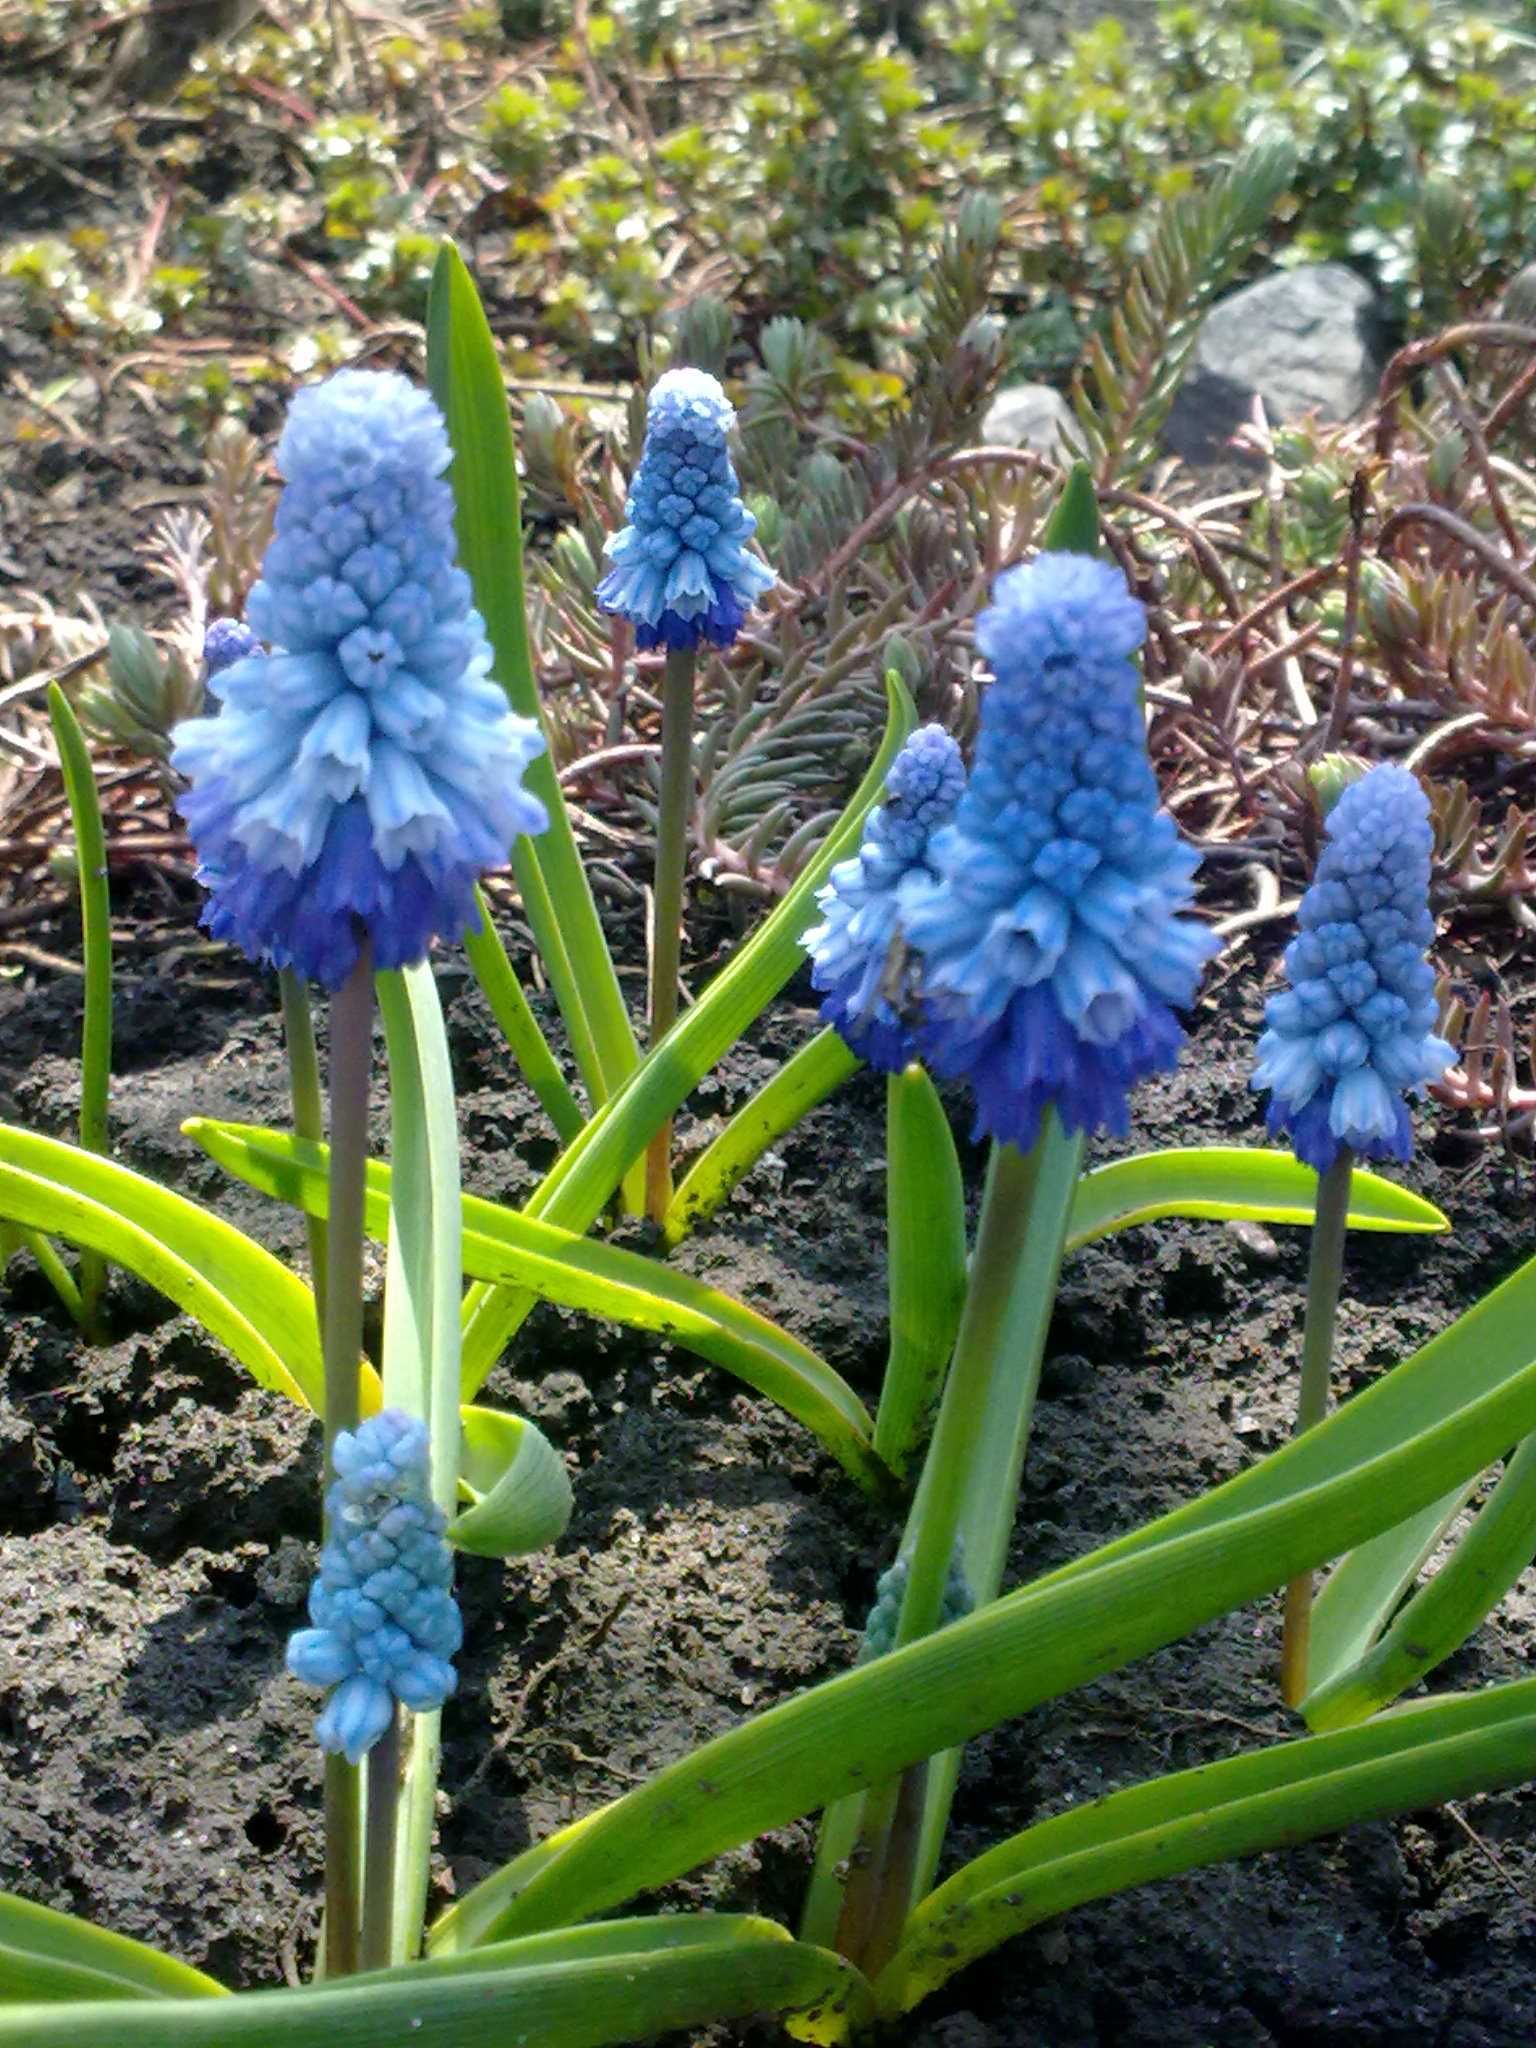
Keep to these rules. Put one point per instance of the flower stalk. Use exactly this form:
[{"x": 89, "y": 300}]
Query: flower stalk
[
  {"x": 307, "y": 1103},
  {"x": 1324, "y": 1274},
  {"x": 351, "y": 1056},
  {"x": 667, "y": 891}
]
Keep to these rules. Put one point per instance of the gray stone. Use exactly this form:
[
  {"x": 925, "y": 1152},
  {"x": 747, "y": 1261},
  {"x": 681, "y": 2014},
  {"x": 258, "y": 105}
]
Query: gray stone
[
  {"x": 1305, "y": 340},
  {"x": 1033, "y": 416}
]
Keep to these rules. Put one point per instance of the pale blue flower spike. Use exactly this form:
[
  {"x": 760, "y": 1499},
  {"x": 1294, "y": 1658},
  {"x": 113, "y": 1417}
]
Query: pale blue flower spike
[
  {"x": 363, "y": 771},
  {"x": 681, "y": 570},
  {"x": 1052, "y": 951},
  {"x": 852, "y": 948},
  {"x": 386, "y": 1623},
  {"x": 1354, "y": 1034}
]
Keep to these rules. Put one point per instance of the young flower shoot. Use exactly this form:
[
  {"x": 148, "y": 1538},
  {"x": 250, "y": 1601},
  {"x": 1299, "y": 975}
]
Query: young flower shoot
[
  {"x": 385, "y": 1620},
  {"x": 681, "y": 570},
  {"x": 1354, "y": 1034},
  {"x": 364, "y": 770},
  {"x": 857, "y": 950}
]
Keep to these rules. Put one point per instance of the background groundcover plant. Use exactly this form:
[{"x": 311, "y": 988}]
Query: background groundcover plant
[{"x": 1037, "y": 944}]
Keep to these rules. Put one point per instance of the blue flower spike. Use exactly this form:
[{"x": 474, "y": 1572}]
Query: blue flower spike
[
  {"x": 363, "y": 769},
  {"x": 681, "y": 570},
  {"x": 856, "y": 950},
  {"x": 386, "y": 1622},
  {"x": 1354, "y": 1034},
  {"x": 1053, "y": 952}
]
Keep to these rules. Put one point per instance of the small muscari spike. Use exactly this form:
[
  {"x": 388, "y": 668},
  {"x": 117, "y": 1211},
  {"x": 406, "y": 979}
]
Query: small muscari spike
[
  {"x": 226, "y": 642},
  {"x": 364, "y": 771},
  {"x": 856, "y": 950},
  {"x": 1052, "y": 951},
  {"x": 681, "y": 570},
  {"x": 386, "y": 1622},
  {"x": 890, "y": 1590},
  {"x": 1354, "y": 1034}
]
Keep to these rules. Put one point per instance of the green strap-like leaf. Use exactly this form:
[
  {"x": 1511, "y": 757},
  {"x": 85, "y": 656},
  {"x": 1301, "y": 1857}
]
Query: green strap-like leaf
[
  {"x": 465, "y": 375},
  {"x": 508, "y": 1247},
  {"x": 1229, "y": 1182},
  {"x": 1439, "y": 1417},
  {"x": 1469, "y": 1584},
  {"x": 95, "y": 948},
  {"x": 584, "y": 1177},
  {"x": 46, "y": 1955},
  {"x": 1362, "y": 1591},
  {"x": 520, "y": 1494},
  {"x": 925, "y": 1235},
  {"x": 1421, "y": 1756},
  {"x": 501, "y": 988},
  {"x": 596, "y": 1989},
  {"x": 235, "y": 1289},
  {"x": 806, "y": 1079}
]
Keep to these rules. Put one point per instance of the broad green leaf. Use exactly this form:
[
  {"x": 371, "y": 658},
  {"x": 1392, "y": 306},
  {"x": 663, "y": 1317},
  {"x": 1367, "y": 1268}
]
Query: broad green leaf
[
  {"x": 516, "y": 1480},
  {"x": 46, "y": 1955},
  {"x": 1363, "y": 1590},
  {"x": 1419, "y": 1756},
  {"x": 508, "y": 1246},
  {"x": 1438, "y": 1418},
  {"x": 1227, "y": 1181},
  {"x": 925, "y": 1237},
  {"x": 598, "y": 1991},
  {"x": 795, "y": 1089},
  {"x": 236, "y": 1290},
  {"x": 96, "y": 950},
  {"x": 465, "y": 376},
  {"x": 581, "y": 1181},
  {"x": 1470, "y": 1583}
]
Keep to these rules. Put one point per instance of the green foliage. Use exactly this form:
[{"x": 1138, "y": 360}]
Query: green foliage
[{"x": 807, "y": 160}]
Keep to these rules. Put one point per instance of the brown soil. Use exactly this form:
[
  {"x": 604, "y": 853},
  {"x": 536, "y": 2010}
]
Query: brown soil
[{"x": 159, "y": 1516}]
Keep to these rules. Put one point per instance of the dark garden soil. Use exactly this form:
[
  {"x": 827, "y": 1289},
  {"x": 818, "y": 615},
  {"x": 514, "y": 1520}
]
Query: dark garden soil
[{"x": 159, "y": 1515}]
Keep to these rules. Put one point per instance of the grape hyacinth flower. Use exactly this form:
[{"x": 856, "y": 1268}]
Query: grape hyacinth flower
[
  {"x": 386, "y": 1622},
  {"x": 681, "y": 570},
  {"x": 1354, "y": 1034},
  {"x": 1052, "y": 951},
  {"x": 856, "y": 950},
  {"x": 363, "y": 772}
]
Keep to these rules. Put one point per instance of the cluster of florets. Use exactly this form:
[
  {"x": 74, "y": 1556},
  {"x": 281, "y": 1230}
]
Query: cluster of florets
[
  {"x": 1354, "y": 1034},
  {"x": 363, "y": 769},
  {"x": 891, "y": 1590},
  {"x": 1041, "y": 925},
  {"x": 386, "y": 1624},
  {"x": 681, "y": 570},
  {"x": 857, "y": 951}
]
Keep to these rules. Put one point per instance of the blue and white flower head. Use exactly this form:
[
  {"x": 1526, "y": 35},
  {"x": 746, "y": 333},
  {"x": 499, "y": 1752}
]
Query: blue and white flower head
[
  {"x": 386, "y": 1621},
  {"x": 1052, "y": 951},
  {"x": 856, "y": 950},
  {"x": 1354, "y": 1034},
  {"x": 681, "y": 570},
  {"x": 361, "y": 774}
]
